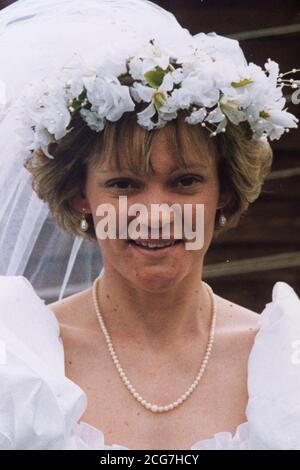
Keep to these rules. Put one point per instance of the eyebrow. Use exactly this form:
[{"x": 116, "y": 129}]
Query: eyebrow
[
  {"x": 189, "y": 167},
  {"x": 174, "y": 170}
]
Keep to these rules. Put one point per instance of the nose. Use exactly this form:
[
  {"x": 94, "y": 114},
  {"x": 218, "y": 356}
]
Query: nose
[
  {"x": 158, "y": 214},
  {"x": 157, "y": 218}
]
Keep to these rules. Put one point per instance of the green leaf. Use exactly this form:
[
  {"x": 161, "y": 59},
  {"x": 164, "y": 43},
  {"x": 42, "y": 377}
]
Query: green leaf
[
  {"x": 159, "y": 100},
  {"x": 155, "y": 77},
  {"x": 241, "y": 83},
  {"x": 264, "y": 114}
]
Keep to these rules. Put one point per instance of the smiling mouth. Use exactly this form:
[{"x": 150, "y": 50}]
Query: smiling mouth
[{"x": 156, "y": 245}]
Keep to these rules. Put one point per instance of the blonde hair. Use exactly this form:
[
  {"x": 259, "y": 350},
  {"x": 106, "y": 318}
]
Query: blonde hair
[{"x": 242, "y": 163}]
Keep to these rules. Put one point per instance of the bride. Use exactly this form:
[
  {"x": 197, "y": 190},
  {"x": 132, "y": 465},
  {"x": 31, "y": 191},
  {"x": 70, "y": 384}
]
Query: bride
[{"x": 148, "y": 356}]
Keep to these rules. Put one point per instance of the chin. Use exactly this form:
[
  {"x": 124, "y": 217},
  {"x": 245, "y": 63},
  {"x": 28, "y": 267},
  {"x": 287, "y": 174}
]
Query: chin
[{"x": 156, "y": 278}]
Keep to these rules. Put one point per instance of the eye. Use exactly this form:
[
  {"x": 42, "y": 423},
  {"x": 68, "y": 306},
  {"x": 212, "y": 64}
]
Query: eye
[
  {"x": 120, "y": 184},
  {"x": 189, "y": 180}
]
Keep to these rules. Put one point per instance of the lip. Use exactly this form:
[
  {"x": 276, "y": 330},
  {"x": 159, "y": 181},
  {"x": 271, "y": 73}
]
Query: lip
[
  {"x": 155, "y": 240},
  {"x": 155, "y": 253}
]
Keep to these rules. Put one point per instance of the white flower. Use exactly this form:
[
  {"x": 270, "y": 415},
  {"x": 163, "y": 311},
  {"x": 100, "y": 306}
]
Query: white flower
[
  {"x": 141, "y": 92},
  {"x": 71, "y": 81},
  {"x": 196, "y": 116},
  {"x": 136, "y": 68},
  {"x": 158, "y": 98},
  {"x": 179, "y": 99},
  {"x": 42, "y": 139},
  {"x": 34, "y": 139},
  {"x": 146, "y": 93},
  {"x": 265, "y": 114},
  {"x": 254, "y": 97},
  {"x": 274, "y": 122},
  {"x": 144, "y": 117},
  {"x": 55, "y": 117},
  {"x": 177, "y": 75},
  {"x": 217, "y": 116},
  {"x": 232, "y": 109},
  {"x": 282, "y": 118},
  {"x": 109, "y": 98},
  {"x": 48, "y": 111},
  {"x": 201, "y": 89},
  {"x": 93, "y": 120},
  {"x": 194, "y": 89},
  {"x": 150, "y": 57},
  {"x": 212, "y": 80},
  {"x": 245, "y": 85},
  {"x": 273, "y": 69},
  {"x": 74, "y": 88}
]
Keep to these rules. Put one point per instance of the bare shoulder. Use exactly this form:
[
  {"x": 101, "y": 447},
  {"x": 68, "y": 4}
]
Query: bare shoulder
[
  {"x": 236, "y": 314},
  {"x": 238, "y": 325},
  {"x": 72, "y": 311}
]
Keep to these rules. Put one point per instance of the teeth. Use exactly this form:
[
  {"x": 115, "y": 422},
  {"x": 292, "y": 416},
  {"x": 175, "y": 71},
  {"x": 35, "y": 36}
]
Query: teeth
[{"x": 154, "y": 245}]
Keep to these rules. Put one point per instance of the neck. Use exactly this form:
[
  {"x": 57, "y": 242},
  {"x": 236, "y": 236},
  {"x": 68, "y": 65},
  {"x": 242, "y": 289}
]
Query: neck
[{"x": 181, "y": 313}]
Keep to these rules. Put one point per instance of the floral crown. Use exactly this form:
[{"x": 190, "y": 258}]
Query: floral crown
[{"x": 211, "y": 91}]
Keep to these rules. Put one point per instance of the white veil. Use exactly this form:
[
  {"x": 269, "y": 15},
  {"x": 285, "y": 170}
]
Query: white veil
[{"x": 37, "y": 39}]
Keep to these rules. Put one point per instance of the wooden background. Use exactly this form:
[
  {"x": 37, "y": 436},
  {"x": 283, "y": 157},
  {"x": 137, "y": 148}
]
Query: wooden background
[{"x": 244, "y": 264}]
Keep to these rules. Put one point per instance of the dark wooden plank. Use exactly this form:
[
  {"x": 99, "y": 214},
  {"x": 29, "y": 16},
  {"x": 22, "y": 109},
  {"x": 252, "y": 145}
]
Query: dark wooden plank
[
  {"x": 232, "y": 16},
  {"x": 254, "y": 291}
]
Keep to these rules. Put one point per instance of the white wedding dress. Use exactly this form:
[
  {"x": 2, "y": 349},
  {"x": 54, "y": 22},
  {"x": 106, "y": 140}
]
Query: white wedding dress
[{"x": 40, "y": 408}]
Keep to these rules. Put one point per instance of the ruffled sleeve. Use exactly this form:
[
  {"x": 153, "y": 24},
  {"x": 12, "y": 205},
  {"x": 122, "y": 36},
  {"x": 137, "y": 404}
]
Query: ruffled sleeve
[
  {"x": 273, "y": 410},
  {"x": 39, "y": 405}
]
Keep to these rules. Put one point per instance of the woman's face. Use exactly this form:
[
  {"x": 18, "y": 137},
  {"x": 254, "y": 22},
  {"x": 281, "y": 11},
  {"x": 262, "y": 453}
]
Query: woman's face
[{"x": 149, "y": 268}]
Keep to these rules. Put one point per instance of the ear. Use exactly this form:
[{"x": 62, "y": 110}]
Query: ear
[
  {"x": 80, "y": 203},
  {"x": 224, "y": 199}
]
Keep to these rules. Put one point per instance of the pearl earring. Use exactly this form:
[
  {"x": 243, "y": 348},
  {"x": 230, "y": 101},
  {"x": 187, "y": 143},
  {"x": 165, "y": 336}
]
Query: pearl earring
[
  {"x": 222, "y": 220},
  {"x": 84, "y": 226}
]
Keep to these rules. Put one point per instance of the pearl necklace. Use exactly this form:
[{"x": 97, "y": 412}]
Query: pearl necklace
[{"x": 152, "y": 407}]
